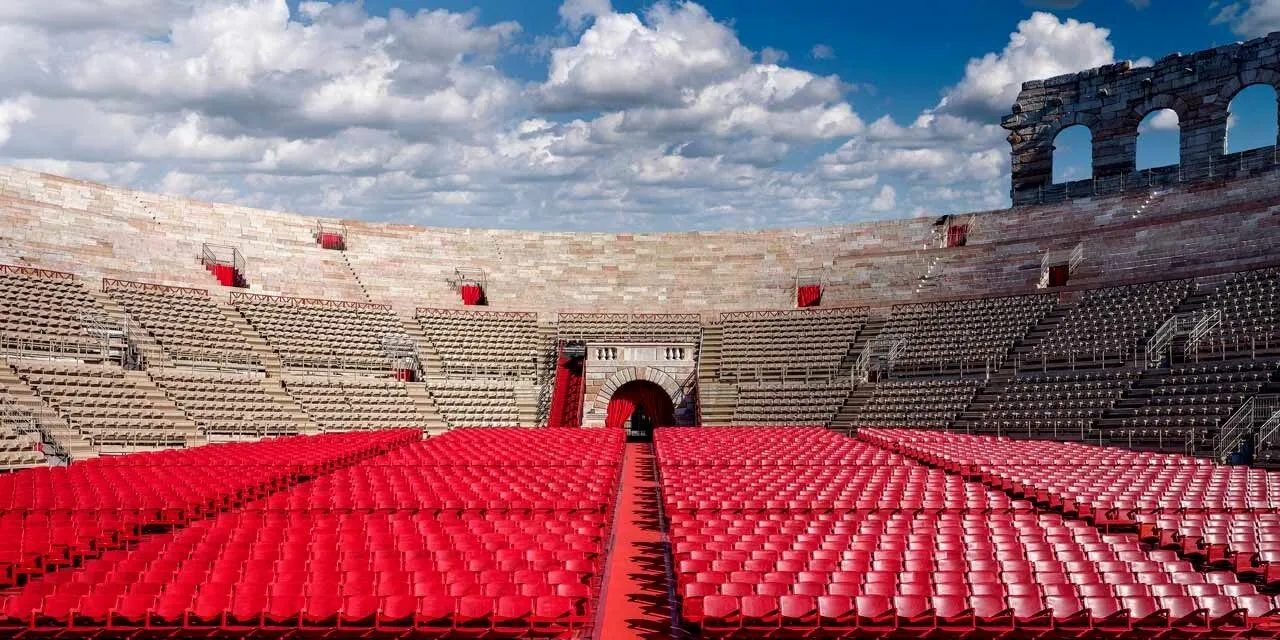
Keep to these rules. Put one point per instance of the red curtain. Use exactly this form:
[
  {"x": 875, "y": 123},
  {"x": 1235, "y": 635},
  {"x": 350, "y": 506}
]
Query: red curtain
[
  {"x": 808, "y": 295},
  {"x": 331, "y": 241},
  {"x": 957, "y": 235},
  {"x": 1058, "y": 275},
  {"x": 472, "y": 294},
  {"x": 566, "y": 401},
  {"x": 225, "y": 274},
  {"x": 645, "y": 395}
]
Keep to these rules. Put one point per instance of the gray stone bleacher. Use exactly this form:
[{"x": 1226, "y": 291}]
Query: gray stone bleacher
[
  {"x": 355, "y": 402},
  {"x": 788, "y": 403},
  {"x": 1249, "y": 305},
  {"x": 117, "y": 410},
  {"x": 482, "y": 343},
  {"x": 187, "y": 324},
  {"x": 1109, "y": 325},
  {"x": 961, "y": 337},
  {"x": 324, "y": 334},
  {"x": 50, "y": 312},
  {"x": 787, "y": 345},
  {"x": 924, "y": 404},
  {"x": 226, "y": 405}
]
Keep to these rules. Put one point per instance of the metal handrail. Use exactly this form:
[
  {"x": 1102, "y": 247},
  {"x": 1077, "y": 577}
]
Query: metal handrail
[
  {"x": 1231, "y": 433},
  {"x": 1201, "y": 329}
]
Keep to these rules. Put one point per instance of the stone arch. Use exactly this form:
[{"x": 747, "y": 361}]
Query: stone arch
[
  {"x": 1245, "y": 80},
  {"x": 1266, "y": 78},
  {"x": 628, "y": 374}
]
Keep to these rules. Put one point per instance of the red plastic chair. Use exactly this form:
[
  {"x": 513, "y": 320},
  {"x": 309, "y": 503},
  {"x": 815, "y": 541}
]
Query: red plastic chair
[{"x": 721, "y": 615}]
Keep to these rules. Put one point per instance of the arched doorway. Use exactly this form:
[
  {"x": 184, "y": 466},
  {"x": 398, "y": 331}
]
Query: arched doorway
[{"x": 639, "y": 406}]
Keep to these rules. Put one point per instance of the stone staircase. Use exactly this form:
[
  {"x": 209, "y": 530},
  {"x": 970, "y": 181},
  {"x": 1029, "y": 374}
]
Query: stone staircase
[
  {"x": 870, "y": 331},
  {"x": 429, "y": 361},
  {"x": 68, "y": 442},
  {"x": 545, "y": 379},
  {"x": 306, "y": 425},
  {"x": 719, "y": 400},
  {"x": 160, "y": 402},
  {"x": 270, "y": 360},
  {"x": 426, "y": 406},
  {"x": 846, "y": 419},
  {"x": 527, "y": 403},
  {"x": 352, "y": 270}
]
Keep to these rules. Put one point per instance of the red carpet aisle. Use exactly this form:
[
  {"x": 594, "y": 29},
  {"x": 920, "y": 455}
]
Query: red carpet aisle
[{"x": 635, "y": 596}]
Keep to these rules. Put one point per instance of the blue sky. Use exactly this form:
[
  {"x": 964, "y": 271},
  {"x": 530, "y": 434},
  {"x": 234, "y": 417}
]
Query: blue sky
[{"x": 577, "y": 115}]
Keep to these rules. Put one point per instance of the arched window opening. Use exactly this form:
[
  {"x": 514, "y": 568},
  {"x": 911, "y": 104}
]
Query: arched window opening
[
  {"x": 1159, "y": 140},
  {"x": 1251, "y": 119},
  {"x": 1073, "y": 154}
]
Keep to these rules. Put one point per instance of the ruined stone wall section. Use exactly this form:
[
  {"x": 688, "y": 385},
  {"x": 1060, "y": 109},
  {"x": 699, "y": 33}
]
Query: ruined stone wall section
[{"x": 1112, "y": 101}]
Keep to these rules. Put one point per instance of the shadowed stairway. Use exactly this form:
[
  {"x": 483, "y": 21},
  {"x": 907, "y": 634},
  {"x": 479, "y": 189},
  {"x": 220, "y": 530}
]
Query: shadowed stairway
[{"x": 635, "y": 599}]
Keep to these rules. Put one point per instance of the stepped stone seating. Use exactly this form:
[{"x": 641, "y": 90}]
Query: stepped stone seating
[
  {"x": 18, "y": 450},
  {"x": 788, "y": 403},
  {"x": 354, "y": 403},
  {"x": 476, "y": 403},
  {"x": 52, "y": 312},
  {"x": 225, "y": 405},
  {"x": 1057, "y": 406},
  {"x": 1184, "y": 406},
  {"x": 1111, "y": 322},
  {"x": 322, "y": 334},
  {"x": 787, "y": 344},
  {"x": 483, "y": 343},
  {"x": 961, "y": 336},
  {"x": 623, "y": 327},
  {"x": 922, "y": 404},
  {"x": 108, "y": 405},
  {"x": 1250, "y": 308},
  {"x": 187, "y": 324}
]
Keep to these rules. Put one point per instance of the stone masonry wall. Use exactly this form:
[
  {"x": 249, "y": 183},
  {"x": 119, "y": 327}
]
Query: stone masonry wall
[
  {"x": 1112, "y": 100},
  {"x": 96, "y": 230}
]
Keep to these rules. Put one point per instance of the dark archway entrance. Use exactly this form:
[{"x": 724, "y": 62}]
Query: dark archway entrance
[{"x": 639, "y": 406}]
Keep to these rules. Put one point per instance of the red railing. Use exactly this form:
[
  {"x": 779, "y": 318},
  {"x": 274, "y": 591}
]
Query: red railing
[
  {"x": 37, "y": 272},
  {"x": 436, "y": 312},
  {"x": 111, "y": 284},
  {"x": 798, "y": 313},
  {"x": 629, "y": 317},
  {"x": 306, "y": 302}
]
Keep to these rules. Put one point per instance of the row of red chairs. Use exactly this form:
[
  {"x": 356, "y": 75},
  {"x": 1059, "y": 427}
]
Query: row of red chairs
[
  {"x": 434, "y": 615},
  {"x": 56, "y": 517},
  {"x": 513, "y": 447},
  {"x": 944, "y": 567},
  {"x": 499, "y": 569},
  {"x": 760, "y": 616}
]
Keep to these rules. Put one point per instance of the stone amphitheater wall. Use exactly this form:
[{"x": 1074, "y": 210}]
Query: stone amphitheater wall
[{"x": 102, "y": 231}]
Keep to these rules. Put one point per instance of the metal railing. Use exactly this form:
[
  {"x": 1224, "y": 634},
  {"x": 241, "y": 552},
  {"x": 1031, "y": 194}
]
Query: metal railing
[
  {"x": 1153, "y": 353},
  {"x": 71, "y": 346},
  {"x": 1242, "y": 423},
  {"x": 1207, "y": 323}
]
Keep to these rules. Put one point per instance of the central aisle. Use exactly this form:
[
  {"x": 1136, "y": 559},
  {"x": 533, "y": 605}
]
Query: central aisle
[{"x": 634, "y": 597}]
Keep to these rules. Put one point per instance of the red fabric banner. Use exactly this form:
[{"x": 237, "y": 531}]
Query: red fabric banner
[
  {"x": 225, "y": 274},
  {"x": 331, "y": 241},
  {"x": 1058, "y": 275},
  {"x": 566, "y": 400},
  {"x": 808, "y": 295},
  {"x": 957, "y": 235},
  {"x": 472, "y": 294},
  {"x": 647, "y": 396}
]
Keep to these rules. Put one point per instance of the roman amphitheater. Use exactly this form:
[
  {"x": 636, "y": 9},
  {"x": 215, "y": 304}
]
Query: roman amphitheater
[{"x": 1051, "y": 420}]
